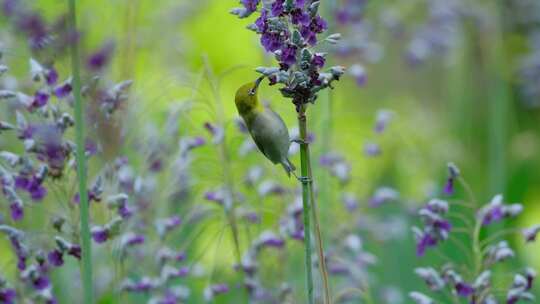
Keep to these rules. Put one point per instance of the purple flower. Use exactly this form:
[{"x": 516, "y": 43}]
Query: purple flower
[
  {"x": 372, "y": 149},
  {"x": 530, "y": 275},
  {"x": 124, "y": 211},
  {"x": 531, "y": 233},
  {"x": 426, "y": 241},
  {"x": 318, "y": 60},
  {"x": 496, "y": 210},
  {"x": 308, "y": 34},
  {"x": 453, "y": 173},
  {"x": 215, "y": 196},
  {"x": 56, "y": 258},
  {"x": 97, "y": 60},
  {"x": 217, "y": 132},
  {"x": 318, "y": 25},
  {"x": 41, "y": 282},
  {"x": 75, "y": 251},
  {"x": 436, "y": 228},
  {"x": 34, "y": 27},
  {"x": 288, "y": 55},
  {"x": 100, "y": 234},
  {"x": 17, "y": 211},
  {"x": 359, "y": 74},
  {"x": 464, "y": 289},
  {"x": 299, "y": 17},
  {"x": 300, "y": 3},
  {"x": 449, "y": 186},
  {"x": 272, "y": 41},
  {"x": 27, "y": 132},
  {"x": 36, "y": 190},
  {"x": 350, "y": 201},
  {"x": 90, "y": 147},
  {"x": 63, "y": 90},
  {"x": 51, "y": 76},
  {"x": 277, "y": 8},
  {"x": 8, "y": 296},
  {"x": 383, "y": 195},
  {"x": 382, "y": 120},
  {"x": 250, "y": 5},
  {"x": 261, "y": 23},
  {"x": 132, "y": 239},
  {"x": 269, "y": 239},
  {"x": 40, "y": 99},
  {"x": 9, "y": 7}
]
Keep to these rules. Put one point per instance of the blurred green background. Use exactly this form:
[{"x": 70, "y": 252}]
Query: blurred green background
[{"x": 464, "y": 108}]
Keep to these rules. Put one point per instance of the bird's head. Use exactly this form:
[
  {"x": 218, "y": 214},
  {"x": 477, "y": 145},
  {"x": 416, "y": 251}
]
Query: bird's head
[{"x": 246, "y": 98}]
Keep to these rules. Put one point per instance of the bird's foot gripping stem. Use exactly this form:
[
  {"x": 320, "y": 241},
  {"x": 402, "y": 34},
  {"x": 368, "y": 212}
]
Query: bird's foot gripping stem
[
  {"x": 304, "y": 179},
  {"x": 299, "y": 141}
]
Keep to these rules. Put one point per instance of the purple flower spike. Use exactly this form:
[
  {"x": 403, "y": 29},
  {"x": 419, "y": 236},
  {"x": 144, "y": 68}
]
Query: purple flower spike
[{"x": 56, "y": 258}]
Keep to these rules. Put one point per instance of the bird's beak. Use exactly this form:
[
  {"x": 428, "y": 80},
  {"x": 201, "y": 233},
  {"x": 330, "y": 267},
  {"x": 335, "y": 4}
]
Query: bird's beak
[{"x": 257, "y": 83}]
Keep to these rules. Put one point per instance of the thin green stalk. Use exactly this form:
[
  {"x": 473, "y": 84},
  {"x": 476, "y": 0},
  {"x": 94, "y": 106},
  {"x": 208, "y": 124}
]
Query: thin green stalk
[
  {"x": 318, "y": 235},
  {"x": 304, "y": 167},
  {"x": 227, "y": 171},
  {"x": 499, "y": 96},
  {"x": 81, "y": 163}
]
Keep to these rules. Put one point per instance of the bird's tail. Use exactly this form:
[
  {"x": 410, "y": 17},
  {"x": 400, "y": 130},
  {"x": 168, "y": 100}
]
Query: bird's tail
[{"x": 288, "y": 166}]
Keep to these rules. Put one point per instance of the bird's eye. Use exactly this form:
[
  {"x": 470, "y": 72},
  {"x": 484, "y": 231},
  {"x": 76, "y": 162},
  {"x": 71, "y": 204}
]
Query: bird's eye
[{"x": 252, "y": 92}]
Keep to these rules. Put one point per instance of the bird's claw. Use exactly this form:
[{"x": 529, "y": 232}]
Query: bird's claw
[
  {"x": 304, "y": 179},
  {"x": 299, "y": 141}
]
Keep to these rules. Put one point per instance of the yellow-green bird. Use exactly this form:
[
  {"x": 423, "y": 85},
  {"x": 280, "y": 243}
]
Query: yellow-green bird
[{"x": 265, "y": 126}]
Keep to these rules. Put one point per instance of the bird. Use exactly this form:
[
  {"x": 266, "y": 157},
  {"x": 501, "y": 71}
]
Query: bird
[{"x": 265, "y": 126}]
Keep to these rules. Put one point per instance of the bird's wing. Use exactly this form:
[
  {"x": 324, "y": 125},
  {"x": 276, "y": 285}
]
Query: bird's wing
[
  {"x": 258, "y": 141},
  {"x": 283, "y": 132}
]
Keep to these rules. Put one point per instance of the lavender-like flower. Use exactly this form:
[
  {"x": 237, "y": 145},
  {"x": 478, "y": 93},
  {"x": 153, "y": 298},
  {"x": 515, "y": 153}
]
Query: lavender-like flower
[
  {"x": 496, "y": 211},
  {"x": 289, "y": 29},
  {"x": 436, "y": 227},
  {"x": 453, "y": 174}
]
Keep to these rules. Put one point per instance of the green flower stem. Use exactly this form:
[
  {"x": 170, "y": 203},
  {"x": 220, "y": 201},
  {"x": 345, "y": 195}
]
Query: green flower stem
[
  {"x": 81, "y": 163},
  {"x": 318, "y": 235},
  {"x": 499, "y": 106},
  {"x": 309, "y": 209},
  {"x": 304, "y": 158}
]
